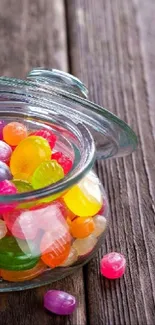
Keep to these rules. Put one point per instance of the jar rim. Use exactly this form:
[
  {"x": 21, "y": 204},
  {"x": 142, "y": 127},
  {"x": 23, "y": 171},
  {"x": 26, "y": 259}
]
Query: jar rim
[
  {"x": 122, "y": 140},
  {"x": 74, "y": 176}
]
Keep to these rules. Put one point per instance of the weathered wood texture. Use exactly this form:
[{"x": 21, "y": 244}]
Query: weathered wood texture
[
  {"x": 111, "y": 50},
  {"x": 110, "y": 46}
]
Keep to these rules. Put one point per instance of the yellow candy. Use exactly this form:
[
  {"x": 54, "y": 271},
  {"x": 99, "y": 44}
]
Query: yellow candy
[
  {"x": 23, "y": 177},
  {"x": 29, "y": 154},
  {"x": 85, "y": 199}
]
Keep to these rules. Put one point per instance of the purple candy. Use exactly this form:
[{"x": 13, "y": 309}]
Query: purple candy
[
  {"x": 5, "y": 152},
  {"x": 4, "y": 172},
  {"x": 2, "y": 124},
  {"x": 59, "y": 302}
]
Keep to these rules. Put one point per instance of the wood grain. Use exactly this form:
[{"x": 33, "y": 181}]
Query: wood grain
[
  {"x": 111, "y": 51},
  {"x": 33, "y": 33}
]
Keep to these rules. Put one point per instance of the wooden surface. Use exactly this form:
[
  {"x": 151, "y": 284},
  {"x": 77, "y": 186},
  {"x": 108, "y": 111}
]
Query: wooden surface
[{"x": 108, "y": 44}]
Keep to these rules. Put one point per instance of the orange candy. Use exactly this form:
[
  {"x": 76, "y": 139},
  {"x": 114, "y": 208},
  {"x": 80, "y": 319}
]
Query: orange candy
[
  {"x": 54, "y": 252},
  {"x": 82, "y": 227},
  {"x": 14, "y": 132},
  {"x": 19, "y": 276}
]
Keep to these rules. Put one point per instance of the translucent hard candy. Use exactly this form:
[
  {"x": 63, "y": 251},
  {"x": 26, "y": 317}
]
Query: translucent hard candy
[
  {"x": 5, "y": 173},
  {"x": 29, "y": 154},
  {"x": 22, "y": 177},
  {"x": 55, "y": 247},
  {"x": 82, "y": 227},
  {"x": 48, "y": 135},
  {"x": 85, "y": 199},
  {"x": 100, "y": 223},
  {"x": 71, "y": 259},
  {"x": 50, "y": 217},
  {"x": 3, "y": 229},
  {"x": 22, "y": 224},
  {"x": 47, "y": 173},
  {"x": 85, "y": 246},
  {"x": 20, "y": 276},
  {"x": 65, "y": 162},
  {"x": 113, "y": 265},
  {"x": 22, "y": 186},
  {"x": 14, "y": 132},
  {"x": 17, "y": 254},
  {"x": 7, "y": 188},
  {"x": 59, "y": 302},
  {"x": 5, "y": 152}
]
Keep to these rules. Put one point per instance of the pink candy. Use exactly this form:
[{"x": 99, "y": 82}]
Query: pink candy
[
  {"x": 113, "y": 265},
  {"x": 7, "y": 188}
]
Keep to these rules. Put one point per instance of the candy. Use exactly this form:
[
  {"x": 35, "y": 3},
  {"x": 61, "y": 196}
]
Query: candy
[
  {"x": 5, "y": 152},
  {"x": 86, "y": 245},
  {"x": 100, "y": 225},
  {"x": 85, "y": 199},
  {"x": 82, "y": 227},
  {"x": 7, "y": 188},
  {"x": 16, "y": 255},
  {"x": 47, "y": 173},
  {"x": 29, "y": 154},
  {"x": 55, "y": 247},
  {"x": 48, "y": 135},
  {"x": 19, "y": 276},
  {"x": 2, "y": 124},
  {"x": 22, "y": 224},
  {"x": 59, "y": 302},
  {"x": 3, "y": 229},
  {"x": 51, "y": 218},
  {"x": 22, "y": 177},
  {"x": 71, "y": 259},
  {"x": 22, "y": 186},
  {"x": 5, "y": 173},
  {"x": 113, "y": 265},
  {"x": 14, "y": 132},
  {"x": 63, "y": 160}
]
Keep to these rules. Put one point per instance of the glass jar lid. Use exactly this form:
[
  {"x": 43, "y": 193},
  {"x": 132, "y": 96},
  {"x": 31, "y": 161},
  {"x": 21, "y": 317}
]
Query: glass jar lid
[{"x": 65, "y": 94}]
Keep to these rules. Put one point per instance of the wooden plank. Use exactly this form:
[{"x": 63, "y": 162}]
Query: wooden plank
[
  {"x": 33, "y": 33},
  {"x": 112, "y": 51}
]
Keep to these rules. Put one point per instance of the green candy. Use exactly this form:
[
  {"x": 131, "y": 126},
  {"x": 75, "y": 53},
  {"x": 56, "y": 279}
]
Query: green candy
[
  {"x": 22, "y": 186},
  {"x": 16, "y": 254}
]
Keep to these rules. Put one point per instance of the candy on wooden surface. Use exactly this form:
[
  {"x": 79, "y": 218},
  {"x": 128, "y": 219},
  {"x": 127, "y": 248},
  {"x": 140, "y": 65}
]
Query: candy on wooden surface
[
  {"x": 113, "y": 265},
  {"x": 59, "y": 302}
]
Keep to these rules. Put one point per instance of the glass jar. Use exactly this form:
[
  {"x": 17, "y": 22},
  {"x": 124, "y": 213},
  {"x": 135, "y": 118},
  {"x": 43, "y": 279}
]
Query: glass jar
[{"x": 47, "y": 233}]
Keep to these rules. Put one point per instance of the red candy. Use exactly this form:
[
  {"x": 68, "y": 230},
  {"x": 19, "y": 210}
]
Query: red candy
[
  {"x": 48, "y": 135},
  {"x": 63, "y": 160},
  {"x": 7, "y": 188},
  {"x": 113, "y": 265}
]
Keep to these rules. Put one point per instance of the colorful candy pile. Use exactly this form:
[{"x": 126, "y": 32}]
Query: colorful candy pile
[{"x": 55, "y": 231}]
